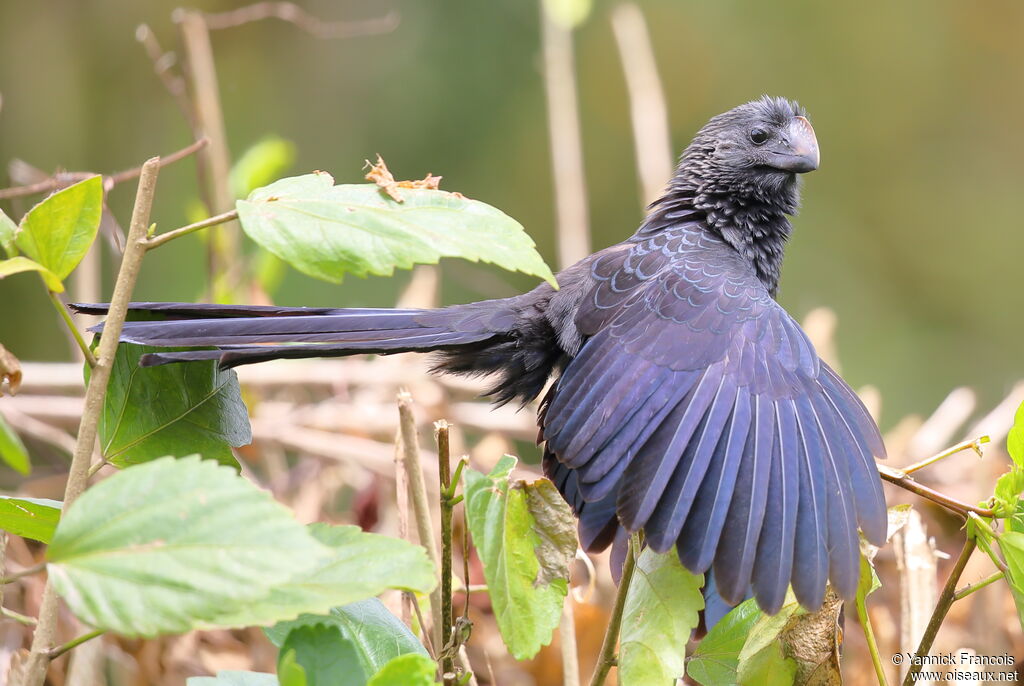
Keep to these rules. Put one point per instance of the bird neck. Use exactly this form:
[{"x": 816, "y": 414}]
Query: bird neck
[{"x": 751, "y": 219}]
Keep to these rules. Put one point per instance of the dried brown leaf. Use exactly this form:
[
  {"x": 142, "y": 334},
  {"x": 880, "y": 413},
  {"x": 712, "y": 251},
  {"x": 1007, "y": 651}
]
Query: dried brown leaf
[
  {"x": 382, "y": 176},
  {"x": 10, "y": 371}
]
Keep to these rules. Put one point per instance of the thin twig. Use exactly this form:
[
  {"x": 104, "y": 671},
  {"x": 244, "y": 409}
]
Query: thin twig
[
  {"x": 447, "y": 615},
  {"x": 27, "y": 571},
  {"x": 975, "y": 444},
  {"x": 977, "y": 586},
  {"x": 611, "y": 635},
  {"x": 573, "y": 231},
  {"x": 647, "y": 108},
  {"x": 157, "y": 241},
  {"x": 70, "y": 323},
  {"x": 946, "y": 599},
  {"x": 162, "y": 63},
  {"x": 42, "y": 642},
  {"x": 293, "y": 14},
  {"x": 18, "y": 617},
  {"x": 869, "y": 637},
  {"x": 64, "y": 179},
  {"x": 899, "y": 478},
  {"x": 420, "y": 504},
  {"x": 427, "y": 642},
  {"x": 73, "y": 643}
]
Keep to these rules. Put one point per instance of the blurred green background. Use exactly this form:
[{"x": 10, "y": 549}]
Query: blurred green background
[{"x": 911, "y": 230}]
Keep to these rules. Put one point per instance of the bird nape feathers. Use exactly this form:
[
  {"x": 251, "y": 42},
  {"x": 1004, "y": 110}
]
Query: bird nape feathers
[{"x": 688, "y": 404}]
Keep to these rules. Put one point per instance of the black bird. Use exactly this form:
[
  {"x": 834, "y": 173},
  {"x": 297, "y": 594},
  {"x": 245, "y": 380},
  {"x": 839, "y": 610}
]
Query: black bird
[{"x": 688, "y": 403}]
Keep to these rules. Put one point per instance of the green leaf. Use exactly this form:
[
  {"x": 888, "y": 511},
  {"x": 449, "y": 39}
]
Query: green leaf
[
  {"x": 767, "y": 667},
  {"x": 170, "y": 545},
  {"x": 659, "y": 615},
  {"x": 17, "y": 265},
  {"x": 57, "y": 232},
  {"x": 378, "y": 636},
  {"x": 406, "y": 670},
  {"x": 12, "y": 450},
  {"x": 1008, "y": 490},
  {"x": 513, "y": 525},
  {"x": 8, "y": 229},
  {"x": 327, "y": 231},
  {"x": 1011, "y": 543},
  {"x": 231, "y": 678},
  {"x": 265, "y": 161},
  {"x": 1015, "y": 439},
  {"x": 717, "y": 657},
  {"x": 34, "y": 518},
  {"x": 174, "y": 409},
  {"x": 360, "y": 566},
  {"x": 324, "y": 657}
]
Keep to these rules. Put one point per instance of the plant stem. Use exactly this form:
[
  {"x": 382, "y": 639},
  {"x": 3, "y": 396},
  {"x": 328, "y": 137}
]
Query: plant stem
[
  {"x": 611, "y": 635},
  {"x": 901, "y": 479},
  {"x": 974, "y": 444},
  {"x": 420, "y": 504},
  {"x": 447, "y": 615},
  {"x": 73, "y": 643},
  {"x": 869, "y": 636},
  {"x": 39, "y": 657},
  {"x": 971, "y": 588},
  {"x": 63, "y": 312},
  {"x": 157, "y": 241},
  {"x": 946, "y": 599},
  {"x": 27, "y": 571},
  {"x": 18, "y": 617},
  {"x": 567, "y": 642}
]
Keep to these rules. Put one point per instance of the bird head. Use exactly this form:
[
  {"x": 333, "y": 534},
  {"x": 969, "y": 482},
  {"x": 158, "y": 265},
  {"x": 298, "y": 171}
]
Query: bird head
[{"x": 758, "y": 149}]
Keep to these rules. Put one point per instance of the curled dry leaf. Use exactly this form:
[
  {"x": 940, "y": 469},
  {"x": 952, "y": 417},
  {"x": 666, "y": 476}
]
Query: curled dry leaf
[
  {"x": 382, "y": 176},
  {"x": 10, "y": 371}
]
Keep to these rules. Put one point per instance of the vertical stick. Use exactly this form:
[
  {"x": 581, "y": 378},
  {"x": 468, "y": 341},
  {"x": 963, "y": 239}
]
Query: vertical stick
[
  {"x": 647, "y": 107},
  {"x": 567, "y": 639},
  {"x": 215, "y": 159},
  {"x": 46, "y": 630},
  {"x": 420, "y": 503},
  {"x": 573, "y": 233},
  {"x": 915, "y": 562},
  {"x": 447, "y": 615}
]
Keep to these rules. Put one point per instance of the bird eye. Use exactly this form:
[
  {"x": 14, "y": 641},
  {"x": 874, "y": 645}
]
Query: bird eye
[{"x": 758, "y": 136}]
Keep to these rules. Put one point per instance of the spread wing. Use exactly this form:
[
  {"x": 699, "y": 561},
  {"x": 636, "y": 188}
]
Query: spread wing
[{"x": 698, "y": 411}]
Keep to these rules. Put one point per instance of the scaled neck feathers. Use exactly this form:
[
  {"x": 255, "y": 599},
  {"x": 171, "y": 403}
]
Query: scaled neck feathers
[{"x": 746, "y": 210}]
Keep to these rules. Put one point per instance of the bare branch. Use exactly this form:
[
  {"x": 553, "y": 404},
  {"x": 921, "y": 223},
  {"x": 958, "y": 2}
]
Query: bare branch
[{"x": 293, "y": 14}]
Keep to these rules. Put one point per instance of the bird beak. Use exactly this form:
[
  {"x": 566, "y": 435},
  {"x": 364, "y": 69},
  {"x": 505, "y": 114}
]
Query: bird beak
[{"x": 801, "y": 154}]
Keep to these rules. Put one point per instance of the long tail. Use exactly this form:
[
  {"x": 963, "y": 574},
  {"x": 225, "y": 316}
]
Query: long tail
[
  {"x": 477, "y": 338},
  {"x": 246, "y": 334}
]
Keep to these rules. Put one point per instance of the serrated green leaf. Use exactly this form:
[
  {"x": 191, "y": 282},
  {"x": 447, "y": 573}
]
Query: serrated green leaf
[
  {"x": 767, "y": 667},
  {"x": 20, "y": 264},
  {"x": 233, "y": 678},
  {"x": 717, "y": 656},
  {"x": 170, "y": 545},
  {"x": 34, "y": 518},
  {"x": 327, "y": 231},
  {"x": 377, "y": 635},
  {"x": 406, "y": 670},
  {"x": 263, "y": 162},
  {"x": 174, "y": 409},
  {"x": 1011, "y": 543},
  {"x": 1015, "y": 439},
  {"x": 58, "y": 232},
  {"x": 8, "y": 229},
  {"x": 660, "y": 613},
  {"x": 361, "y": 565},
  {"x": 325, "y": 657},
  {"x": 12, "y": 450},
  {"x": 527, "y": 596}
]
